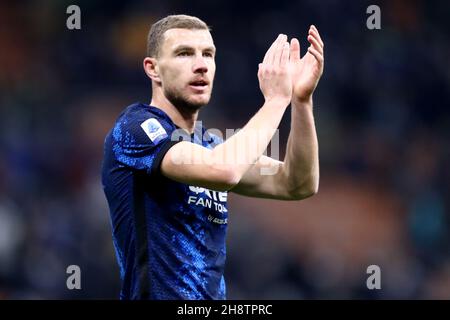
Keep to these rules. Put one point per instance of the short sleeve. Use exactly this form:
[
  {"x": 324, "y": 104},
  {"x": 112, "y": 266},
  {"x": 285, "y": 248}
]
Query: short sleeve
[{"x": 142, "y": 143}]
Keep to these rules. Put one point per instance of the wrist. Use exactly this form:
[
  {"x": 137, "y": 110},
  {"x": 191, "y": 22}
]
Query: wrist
[
  {"x": 302, "y": 101},
  {"x": 278, "y": 101}
]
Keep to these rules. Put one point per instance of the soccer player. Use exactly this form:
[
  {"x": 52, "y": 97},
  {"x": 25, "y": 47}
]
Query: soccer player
[{"x": 168, "y": 209}]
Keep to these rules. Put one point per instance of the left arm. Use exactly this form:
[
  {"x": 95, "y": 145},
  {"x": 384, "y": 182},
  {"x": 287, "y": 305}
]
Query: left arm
[{"x": 297, "y": 177}]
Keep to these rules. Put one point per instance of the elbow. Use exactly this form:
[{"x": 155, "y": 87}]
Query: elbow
[
  {"x": 226, "y": 177},
  {"x": 306, "y": 190},
  {"x": 231, "y": 179},
  {"x": 311, "y": 190}
]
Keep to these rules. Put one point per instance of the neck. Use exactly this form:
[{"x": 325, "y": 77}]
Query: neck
[{"x": 182, "y": 117}]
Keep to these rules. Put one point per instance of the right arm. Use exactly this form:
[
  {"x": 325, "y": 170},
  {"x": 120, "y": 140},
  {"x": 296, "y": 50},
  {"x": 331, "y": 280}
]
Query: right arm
[{"x": 223, "y": 167}]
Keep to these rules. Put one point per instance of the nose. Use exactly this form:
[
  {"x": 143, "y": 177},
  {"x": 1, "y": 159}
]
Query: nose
[{"x": 200, "y": 65}]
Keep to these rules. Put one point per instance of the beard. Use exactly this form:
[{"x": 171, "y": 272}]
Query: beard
[{"x": 182, "y": 102}]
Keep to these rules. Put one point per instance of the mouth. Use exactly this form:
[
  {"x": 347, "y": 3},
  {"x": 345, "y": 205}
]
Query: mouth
[{"x": 199, "y": 85}]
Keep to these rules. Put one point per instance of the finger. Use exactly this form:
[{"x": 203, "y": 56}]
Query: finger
[
  {"x": 285, "y": 55},
  {"x": 295, "y": 50},
  {"x": 316, "y": 55},
  {"x": 268, "y": 57},
  {"x": 316, "y": 34},
  {"x": 315, "y": 44},
  {"x": 279, "y": 50}
]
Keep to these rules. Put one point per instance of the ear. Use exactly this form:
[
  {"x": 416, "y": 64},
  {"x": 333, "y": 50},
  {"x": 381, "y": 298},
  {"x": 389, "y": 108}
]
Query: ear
[{"x": 151, "y": 68}]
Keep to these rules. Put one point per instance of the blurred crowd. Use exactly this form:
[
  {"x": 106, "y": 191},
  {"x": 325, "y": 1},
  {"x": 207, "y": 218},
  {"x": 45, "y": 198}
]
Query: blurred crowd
[{"x": 382, "y": 115}]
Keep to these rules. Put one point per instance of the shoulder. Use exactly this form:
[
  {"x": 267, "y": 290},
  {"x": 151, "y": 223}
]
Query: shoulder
[{"x": 141, "y": 122}]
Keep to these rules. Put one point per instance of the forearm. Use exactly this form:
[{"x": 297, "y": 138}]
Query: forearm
[
  {"x": 245, "y": 147},
  {"x": 301, "y": 163}
]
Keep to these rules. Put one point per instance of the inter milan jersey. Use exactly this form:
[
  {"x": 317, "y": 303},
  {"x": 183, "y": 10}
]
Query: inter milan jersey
[{"x": 169, "y": 237}]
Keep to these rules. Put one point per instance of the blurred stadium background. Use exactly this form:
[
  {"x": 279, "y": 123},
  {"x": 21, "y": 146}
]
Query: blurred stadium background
[{"x": 382, "y": 113}]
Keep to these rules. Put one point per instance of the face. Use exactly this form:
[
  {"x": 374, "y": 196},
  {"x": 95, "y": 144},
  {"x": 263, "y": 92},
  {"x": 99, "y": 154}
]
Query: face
[{"x": 187, "y": 67}]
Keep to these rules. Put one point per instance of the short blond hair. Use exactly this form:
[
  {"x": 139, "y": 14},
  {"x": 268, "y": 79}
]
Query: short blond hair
[{"x": 181, "y": 21}]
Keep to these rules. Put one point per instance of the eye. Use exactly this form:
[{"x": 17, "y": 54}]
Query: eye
[
  {"x": 208, "y": 54},
  {"x": 184, "y": 54}
]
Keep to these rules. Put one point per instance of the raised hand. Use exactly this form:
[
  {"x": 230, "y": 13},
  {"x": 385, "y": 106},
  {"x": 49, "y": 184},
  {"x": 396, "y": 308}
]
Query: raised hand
[
  {"x": 273, "y": 73},
  {"x": 306, "y": 71}
]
